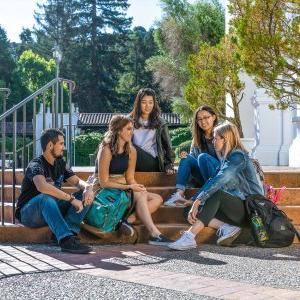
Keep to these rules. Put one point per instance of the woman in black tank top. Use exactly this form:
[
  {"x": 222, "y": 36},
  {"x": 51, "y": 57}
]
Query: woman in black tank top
[
  {"x": 117, "y": 156},
  {"x": 118, "y": 164}
]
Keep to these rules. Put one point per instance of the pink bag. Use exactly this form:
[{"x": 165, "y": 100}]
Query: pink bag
[{"x": 273, "y": 194}]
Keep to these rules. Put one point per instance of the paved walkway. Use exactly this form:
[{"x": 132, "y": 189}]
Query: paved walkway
[
  {"x": 158, "y": 268},
  {"x": 200, "y": 285}
]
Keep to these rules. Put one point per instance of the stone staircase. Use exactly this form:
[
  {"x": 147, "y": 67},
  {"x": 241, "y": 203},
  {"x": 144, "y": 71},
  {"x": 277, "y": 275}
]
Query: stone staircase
[{"x": 168, "y": 219}]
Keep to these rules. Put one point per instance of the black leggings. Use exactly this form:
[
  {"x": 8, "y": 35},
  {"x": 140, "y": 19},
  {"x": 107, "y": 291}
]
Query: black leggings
[
  {"x": 145, "y": 162},
  {"x": 224, "y": 207}
]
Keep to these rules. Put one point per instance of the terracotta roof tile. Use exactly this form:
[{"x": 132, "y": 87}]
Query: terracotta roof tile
[{"x": 102, "y": 119}]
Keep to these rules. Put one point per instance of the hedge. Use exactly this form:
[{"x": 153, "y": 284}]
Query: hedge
[{"x": 86, "y": 144}]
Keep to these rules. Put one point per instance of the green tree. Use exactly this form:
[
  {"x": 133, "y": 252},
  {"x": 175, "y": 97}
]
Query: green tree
[
  {"x": 183, "y": 29},
  {"x": 139, "y": 47},
  {"x": 215, "y": 73},
  {"x": 268, "y": 40},
  {"x": 7, "y": 63},
  {"x": 90, "y": 34},
  {"x": 35, "y": 71},
  {"x": 9, "y": 76},
  {"x": 57, "y": 22},
  {"x": 27, "y": 42},
  {"x": 99, "y": 53}
]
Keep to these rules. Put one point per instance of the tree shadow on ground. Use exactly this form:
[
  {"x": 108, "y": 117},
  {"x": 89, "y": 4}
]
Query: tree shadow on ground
[{"x": 44, "y": 258}]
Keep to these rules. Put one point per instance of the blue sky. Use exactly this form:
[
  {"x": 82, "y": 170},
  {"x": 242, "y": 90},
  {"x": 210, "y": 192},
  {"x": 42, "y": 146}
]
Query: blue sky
[{"x": 15, "y": 14}]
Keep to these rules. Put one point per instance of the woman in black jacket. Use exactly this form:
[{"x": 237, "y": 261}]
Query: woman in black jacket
[{"x": 151, "y": 135}]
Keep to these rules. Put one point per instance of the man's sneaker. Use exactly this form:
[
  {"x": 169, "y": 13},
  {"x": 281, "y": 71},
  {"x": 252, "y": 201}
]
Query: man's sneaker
[
  {"x": 160, "y": 240},
  {"x": 227, "y": 234},
  {"x": 126, "y": 228},
  {"x": 185, "y": 242},
  {"x": 54, "y": 241},
  {"x": 72, "y": 244},
  {"x": 176, "y": 199}
]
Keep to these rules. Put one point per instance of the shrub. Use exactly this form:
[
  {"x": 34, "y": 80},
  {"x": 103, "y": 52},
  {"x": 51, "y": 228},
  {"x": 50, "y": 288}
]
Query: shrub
[
  {"x": 180, "y": 135},
  {"x": 20, "y": 143},
  {"x": 86, "y": 144},
  {"x": 9, "y": 143}
]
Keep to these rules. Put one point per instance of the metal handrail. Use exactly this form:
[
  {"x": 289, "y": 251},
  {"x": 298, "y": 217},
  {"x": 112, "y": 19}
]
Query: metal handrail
[
  {"x": 34, "y": 95},
  {"x": 7, "y": 93},
  {"x": 6, "y": 90},
  {"x": 21, "y": 149},
  {"x": 13, "y": 112}
]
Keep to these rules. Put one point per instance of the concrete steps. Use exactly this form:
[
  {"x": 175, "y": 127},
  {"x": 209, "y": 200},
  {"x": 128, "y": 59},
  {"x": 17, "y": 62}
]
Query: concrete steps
[
  {"x": 20, "y": 234},
  {"x": 170, "y": 220},
  {"x": 170, "y": 215},
  {"x": 291, "y": 196},
  {"x": 277, "y": 178}
]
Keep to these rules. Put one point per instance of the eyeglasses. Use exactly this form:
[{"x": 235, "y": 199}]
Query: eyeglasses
[{"x": 203, "y": 119}]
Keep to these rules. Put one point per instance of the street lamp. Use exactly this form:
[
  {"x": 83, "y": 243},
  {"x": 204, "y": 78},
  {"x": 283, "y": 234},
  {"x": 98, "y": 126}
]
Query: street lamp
[{"x": 57, "y": 56}]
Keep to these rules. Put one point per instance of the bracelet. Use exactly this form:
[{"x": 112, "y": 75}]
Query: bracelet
[{"x": 72, "y": 198}]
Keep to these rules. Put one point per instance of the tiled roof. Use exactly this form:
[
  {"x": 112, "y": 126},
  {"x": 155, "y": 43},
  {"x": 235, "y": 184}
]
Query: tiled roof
[{"x": 102, "y": 119}]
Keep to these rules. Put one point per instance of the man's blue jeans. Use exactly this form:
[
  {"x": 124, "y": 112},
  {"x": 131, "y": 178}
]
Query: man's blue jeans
[
  {"x": 59, "y": 215},
  {"x": 202, "y": 168}
]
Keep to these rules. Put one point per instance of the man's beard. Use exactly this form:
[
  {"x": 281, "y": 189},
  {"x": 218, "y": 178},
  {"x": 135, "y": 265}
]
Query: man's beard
[{"x": 55, "y": 155}]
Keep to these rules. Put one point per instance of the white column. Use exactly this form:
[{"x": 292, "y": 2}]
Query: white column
[
  {"x": 294, "y": 151},
  {"x": 276, "y": 132}
]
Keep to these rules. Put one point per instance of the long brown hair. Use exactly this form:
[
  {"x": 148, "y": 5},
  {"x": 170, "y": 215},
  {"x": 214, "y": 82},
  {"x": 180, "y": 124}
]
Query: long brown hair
[
  {"x": 231, "y": 136},
  {"x": 116, "y": 124},
  {"x": 197, "y": 132},
  {"x": 136, "y": 112}
]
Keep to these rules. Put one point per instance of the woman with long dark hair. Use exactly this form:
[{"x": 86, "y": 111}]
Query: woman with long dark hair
[
  {"x": 204, "y": 121},
  {"x": 221, "y": 199},
  {"x": 115, "y": 166},
  {"x": 151, "y": 135}
]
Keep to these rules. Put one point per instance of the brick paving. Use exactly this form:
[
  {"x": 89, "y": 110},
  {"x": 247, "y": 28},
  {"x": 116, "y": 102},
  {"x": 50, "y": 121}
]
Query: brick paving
[
  {"x": 200, "y": 285},
  {"x": 108, "y": 262}
]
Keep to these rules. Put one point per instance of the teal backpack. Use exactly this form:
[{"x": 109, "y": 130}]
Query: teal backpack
[{"x": 108, "y": 208}]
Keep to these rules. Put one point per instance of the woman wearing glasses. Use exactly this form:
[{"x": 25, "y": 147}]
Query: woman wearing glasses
[
  {"x": 200, "y": 167},
  {"x": 221, "y": 199}
]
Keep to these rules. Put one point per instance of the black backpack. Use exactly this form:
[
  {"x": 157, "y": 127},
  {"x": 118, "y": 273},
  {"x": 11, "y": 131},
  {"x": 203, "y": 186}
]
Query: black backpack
[{"x": 279, "y": 230}]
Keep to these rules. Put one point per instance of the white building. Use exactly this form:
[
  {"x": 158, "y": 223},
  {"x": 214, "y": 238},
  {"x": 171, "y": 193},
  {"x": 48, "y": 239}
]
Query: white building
[
  {"x": 48, "y": 124},
  {"x": 274, "y": 133}
]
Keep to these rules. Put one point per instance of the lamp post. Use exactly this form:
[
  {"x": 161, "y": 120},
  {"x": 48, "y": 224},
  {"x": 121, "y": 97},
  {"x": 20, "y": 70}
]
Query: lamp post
[{"x": 57, "y": 56}]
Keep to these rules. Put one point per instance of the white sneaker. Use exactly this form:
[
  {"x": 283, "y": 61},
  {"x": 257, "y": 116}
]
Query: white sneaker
[
  {"x": 227, "y": 234},
  {"x": 176, "y": 197},
  {"x": 185, "y": 242}
]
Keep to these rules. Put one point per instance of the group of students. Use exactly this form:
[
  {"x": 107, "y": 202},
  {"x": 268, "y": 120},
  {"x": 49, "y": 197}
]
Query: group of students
[{"x": 140, "y": 142}]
